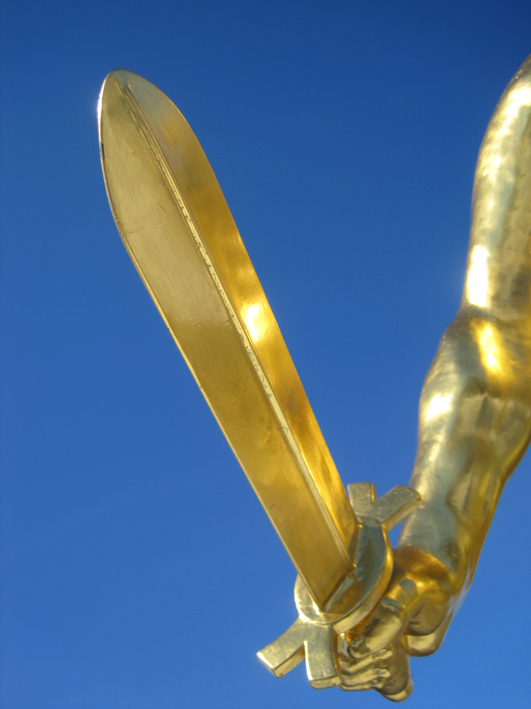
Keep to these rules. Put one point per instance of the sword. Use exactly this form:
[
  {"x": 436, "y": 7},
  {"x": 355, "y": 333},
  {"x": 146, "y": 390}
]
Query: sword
[{"x": 182, "y": 239}]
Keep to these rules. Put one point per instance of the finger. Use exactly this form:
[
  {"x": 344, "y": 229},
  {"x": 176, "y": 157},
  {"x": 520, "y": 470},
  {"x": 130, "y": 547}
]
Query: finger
[
  {"x": 400, "y": 696},
  {"x": 360, "y": 687},
  {"x": 389, "y": 676},
  {"x": 388, "y": 622},
  {"x": 400, "y": 680},
  {"x": 379, "y": 675},
  {"x": 352, "y": 667}
]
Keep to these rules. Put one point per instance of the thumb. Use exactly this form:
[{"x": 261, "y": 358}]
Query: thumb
[{"x": 389, "y": 620}]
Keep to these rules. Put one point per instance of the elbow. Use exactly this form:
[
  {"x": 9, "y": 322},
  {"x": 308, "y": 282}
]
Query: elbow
[
  {"x": 481, "y": 353},
  {"x": 478, "y": 390}
]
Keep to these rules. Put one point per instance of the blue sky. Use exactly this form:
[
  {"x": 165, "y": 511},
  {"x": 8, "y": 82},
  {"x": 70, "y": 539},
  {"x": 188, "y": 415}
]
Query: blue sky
[{"x": 138, "y": 571}]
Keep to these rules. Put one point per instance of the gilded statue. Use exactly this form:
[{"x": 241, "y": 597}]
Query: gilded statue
[
  {"x": 362, "y": 607},
  {"x": 474, "y": 417}
]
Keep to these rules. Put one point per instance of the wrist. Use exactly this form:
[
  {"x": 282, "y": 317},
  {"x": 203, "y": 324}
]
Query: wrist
[{"x": 435, "y": 584}]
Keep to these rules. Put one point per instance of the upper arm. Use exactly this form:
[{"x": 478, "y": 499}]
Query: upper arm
[{"x": 498, "y": 278}]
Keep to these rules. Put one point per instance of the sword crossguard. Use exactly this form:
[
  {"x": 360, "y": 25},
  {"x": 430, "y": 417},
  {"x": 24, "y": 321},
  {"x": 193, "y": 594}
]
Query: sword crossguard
[
  {"x": 313, "y": 636},
  {"x": 308, "y": 641},
  {"x": 390, "y": 509}
]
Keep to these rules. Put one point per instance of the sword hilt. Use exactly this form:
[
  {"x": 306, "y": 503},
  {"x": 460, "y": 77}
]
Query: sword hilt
[{"x": 313, "y": 636}]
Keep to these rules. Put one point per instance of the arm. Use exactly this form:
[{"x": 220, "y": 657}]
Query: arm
[{"x": 475, "y": 413}]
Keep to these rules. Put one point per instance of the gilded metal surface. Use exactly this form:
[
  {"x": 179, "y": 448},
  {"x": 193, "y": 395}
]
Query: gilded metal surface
[
  {"x": 179, "y": 232},
  {"x": 475, "y": 409},
  {"x": 475, "y": 415},
  {"x": 314, "y": 635}
]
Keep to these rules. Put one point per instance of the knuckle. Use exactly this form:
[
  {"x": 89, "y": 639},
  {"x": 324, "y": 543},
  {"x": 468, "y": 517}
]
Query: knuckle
[{"x": 391, "y": 606}]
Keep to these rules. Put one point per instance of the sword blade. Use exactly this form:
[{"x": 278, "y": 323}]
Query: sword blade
[{"x": 180, "y": 235}]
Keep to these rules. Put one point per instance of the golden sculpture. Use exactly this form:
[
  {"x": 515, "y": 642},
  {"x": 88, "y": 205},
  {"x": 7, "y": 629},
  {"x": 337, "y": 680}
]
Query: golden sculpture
[
  {"x": 475, "y": 410},
  {"x": 362, "y": 608}
]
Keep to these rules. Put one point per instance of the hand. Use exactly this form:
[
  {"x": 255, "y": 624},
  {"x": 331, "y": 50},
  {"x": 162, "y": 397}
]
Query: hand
[{"x": 410, "y": 619}]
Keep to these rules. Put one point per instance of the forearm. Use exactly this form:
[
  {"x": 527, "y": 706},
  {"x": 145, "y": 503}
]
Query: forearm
[
  {"x": 474, "y": 426},
  {"x": 475, "y": 410}
]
